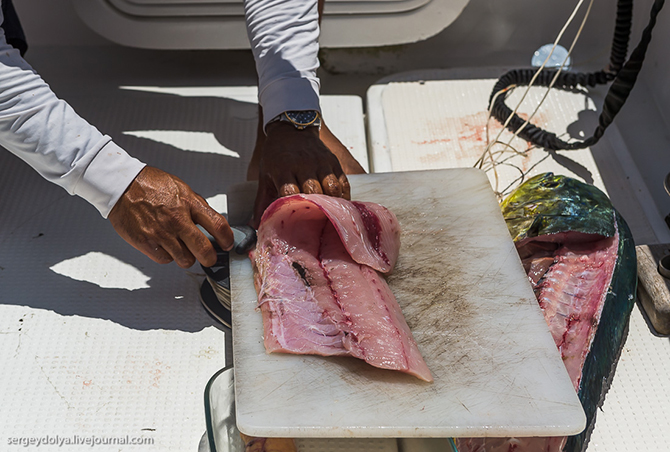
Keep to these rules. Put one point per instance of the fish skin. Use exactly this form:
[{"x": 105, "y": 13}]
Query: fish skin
[
  {"x": 601, "y": 361},
  {"x": 317, "y": 267},
  {"x": 553, "y": 215},
  {"x": 549, "y": 204}
]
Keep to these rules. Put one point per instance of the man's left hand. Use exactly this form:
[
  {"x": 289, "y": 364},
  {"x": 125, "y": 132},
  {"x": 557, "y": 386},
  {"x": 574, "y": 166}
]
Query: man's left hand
[{"x": 158, "y": 214}]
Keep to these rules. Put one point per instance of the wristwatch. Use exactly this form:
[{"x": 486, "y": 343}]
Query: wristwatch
[{"x": 300, "y": 119}]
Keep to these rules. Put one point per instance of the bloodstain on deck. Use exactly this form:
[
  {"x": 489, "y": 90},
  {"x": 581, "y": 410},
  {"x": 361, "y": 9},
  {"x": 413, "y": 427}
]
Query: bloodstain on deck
[{"x": 464, "y": 139}]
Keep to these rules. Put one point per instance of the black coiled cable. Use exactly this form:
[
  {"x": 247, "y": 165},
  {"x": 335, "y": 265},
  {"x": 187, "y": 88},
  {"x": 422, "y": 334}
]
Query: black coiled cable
[{"x": 622, "y": 74}]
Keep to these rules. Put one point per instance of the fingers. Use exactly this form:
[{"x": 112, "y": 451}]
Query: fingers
[
  {"x": 187, "y": 244},
  {"x": 198, "y": 247},
  {"x": 163, "y": 247},
  {"x": 181, "y": 253},
  {"x": 312, "y": 186},
  {"x": 286, "y": 184},
  {"x": 155, "y": 253},
  {"x": 215, "y": 224},
  {"x": 288, "y": 190},
  {"x": 293, "y": 162},
  {"x": 158, "y": 215},
  {"x": 334, "y": 182},
  {"x": 323, "y": 180},
  {"x": 331, "y": 185},
  {"x": 196, "y": 244}
]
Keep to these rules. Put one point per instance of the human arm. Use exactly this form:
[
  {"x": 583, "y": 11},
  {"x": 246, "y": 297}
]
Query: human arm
[
  {"x": 47, "y": 133},
  {"x": 284, "y": 40}
]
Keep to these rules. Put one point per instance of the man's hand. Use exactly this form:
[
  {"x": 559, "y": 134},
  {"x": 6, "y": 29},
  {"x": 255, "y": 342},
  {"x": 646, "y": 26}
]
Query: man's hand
[
  {"x": 296, "y": 161},
  {"x": 158, "y": 214}
]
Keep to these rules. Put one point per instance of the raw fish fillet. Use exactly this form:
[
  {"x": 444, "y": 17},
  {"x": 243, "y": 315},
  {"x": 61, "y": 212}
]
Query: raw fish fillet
[{"x": 316, "y": 272}]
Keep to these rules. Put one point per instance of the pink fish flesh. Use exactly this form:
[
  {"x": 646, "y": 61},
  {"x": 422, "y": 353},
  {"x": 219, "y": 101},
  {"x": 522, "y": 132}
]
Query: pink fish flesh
[
  {"x": 316, "y": 271},
  {"x": 570, "y": 277},
  {"x": 572, "y": 293}
]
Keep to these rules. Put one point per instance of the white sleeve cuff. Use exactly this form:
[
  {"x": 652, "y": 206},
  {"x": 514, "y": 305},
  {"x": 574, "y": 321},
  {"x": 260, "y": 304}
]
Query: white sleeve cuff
[
  {"x": 107, "y": 177},
  {"x": 289, "y": 94}
]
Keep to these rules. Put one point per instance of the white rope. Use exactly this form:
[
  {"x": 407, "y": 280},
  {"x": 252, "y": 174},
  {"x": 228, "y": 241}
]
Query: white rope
[
  {"x": 558, "y": 72},
  {"x": 493, "y": 163}
]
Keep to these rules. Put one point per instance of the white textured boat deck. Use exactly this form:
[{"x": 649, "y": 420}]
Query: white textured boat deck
[
  {"x": 437, "y": 119},
  {"x": 99, "y": 340}
]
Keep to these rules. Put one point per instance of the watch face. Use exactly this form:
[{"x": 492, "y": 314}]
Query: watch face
[{"x": 302, "y": 118}]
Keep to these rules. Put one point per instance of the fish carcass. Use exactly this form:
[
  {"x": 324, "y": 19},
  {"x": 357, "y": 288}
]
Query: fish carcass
[
  {"x": 580, "y": 259},
  {"x": 317, "y": 267}
]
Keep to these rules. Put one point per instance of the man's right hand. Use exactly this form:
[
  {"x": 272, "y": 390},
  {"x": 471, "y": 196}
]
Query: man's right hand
[
  {"x": 289, "y": 161},
  {"x": 158, "y": 214},
  {"x": 296, "y": 161}
]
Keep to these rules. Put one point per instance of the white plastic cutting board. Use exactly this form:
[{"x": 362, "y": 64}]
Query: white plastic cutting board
[{"x": 467, "y": 300}]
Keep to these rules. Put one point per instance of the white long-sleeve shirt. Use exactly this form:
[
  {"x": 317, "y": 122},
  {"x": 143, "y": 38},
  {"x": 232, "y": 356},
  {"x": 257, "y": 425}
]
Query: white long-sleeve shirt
[
  {"x": 46, "y": 133},
  {"x": 50, "y": 136},
  {"x": 284, "y": 39}
]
